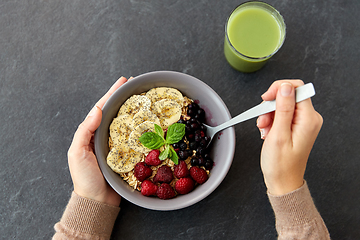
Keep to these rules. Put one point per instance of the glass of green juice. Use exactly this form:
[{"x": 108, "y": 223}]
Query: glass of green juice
[{"x": 254, "y": 32}]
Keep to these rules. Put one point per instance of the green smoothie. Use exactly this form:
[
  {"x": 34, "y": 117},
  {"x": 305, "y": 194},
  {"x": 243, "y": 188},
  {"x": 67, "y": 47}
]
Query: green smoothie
[{"x": 254, "y": 32}]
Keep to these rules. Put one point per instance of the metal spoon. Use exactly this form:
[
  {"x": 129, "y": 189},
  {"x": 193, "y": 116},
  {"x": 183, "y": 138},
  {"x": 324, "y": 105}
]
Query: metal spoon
[{"x": 301, "y": 93}]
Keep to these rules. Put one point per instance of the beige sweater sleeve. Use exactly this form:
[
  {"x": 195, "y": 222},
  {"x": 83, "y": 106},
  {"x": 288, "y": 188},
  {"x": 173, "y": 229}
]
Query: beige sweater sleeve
[
  {"x": 86, "y": 219},
  {"x": 297, "y": 217}
]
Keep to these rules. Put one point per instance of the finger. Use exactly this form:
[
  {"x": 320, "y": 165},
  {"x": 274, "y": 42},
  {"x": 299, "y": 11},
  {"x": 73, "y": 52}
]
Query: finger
[
  {"x": 264, "y": 131},
  {"x": 265, "y": 120},
  {"x": 86, "y": 129},
  {"x": 264, "y": 124},
  {"x": 113, "y": 88},
  {"x": 284, "y": 113},
  {"x": 305, "y": 105},
  {"x": 271, "y": 93},
  {"x": 307, "y": 121}
]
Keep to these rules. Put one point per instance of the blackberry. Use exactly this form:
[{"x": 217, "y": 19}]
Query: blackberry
[
  {"x": 194, "y": 126},
  {"x": 200, "y": 151},
  {"x": 203, "y": 143},
  {"x": 201, "y": 112},
  {"x": 194, "y": 161},
  {"x": 183, "y": 154},
  {"x": 193, "y": 145},
  {"x": 182, "y": 145},
  {"x": 190, "y": 136},
  {"x": 209, "y": 164},
  {"x": 191, "y": 112},
  {"x": 198, "y": 137},
  {"x": 197, "y": 116},
  {"x": 189, "y": 152},
  {"x": 198, "y": 132},
  {"x": 193, "y": 106},
  {"x": 201, "y": 161}
]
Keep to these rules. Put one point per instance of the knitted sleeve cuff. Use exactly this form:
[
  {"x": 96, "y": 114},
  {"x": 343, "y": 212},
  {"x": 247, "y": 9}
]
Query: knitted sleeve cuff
[
  {"x": 88, "y": 217},
  {"x": 294, "y": 208},
  {"x": 297, "y": 217}
]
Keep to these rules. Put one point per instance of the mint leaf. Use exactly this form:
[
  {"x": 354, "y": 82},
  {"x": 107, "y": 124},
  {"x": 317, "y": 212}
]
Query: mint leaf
[
  {"x": 164, "y": 154},
  {"x": 159, "y": 130},
  {"x": 173, "y": 156},
  {"x": 175, "y": 133},
  {"x": 152, "y": 140},
  {"x": 155, "y": 140}
]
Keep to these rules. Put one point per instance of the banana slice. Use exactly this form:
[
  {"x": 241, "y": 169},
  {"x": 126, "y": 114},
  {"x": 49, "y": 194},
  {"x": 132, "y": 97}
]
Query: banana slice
[
  {"x": 122, "y": 160},
  {"x": 157, "y": 94},
  {"x": 144, "y": 115},
  {"x": 134, "y": 142},
  {"x": 120, "y": 129},
  {"x": 133, "y": 104},
  {"x": 168, "y": 111}
]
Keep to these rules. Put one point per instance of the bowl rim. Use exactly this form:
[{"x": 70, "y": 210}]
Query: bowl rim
[{"x": 128, "y": 195}]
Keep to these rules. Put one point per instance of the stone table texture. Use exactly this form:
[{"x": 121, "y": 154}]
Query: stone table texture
[{"x": 59, "y": 57}]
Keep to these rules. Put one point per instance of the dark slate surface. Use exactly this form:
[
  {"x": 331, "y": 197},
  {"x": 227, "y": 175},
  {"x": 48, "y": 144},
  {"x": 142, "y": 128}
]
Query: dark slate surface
[{"x": 59, "y": 57}]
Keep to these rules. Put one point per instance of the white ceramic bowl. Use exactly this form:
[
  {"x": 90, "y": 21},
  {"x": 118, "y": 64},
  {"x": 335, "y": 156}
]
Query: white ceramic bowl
[{"x": 223, "y": 146}]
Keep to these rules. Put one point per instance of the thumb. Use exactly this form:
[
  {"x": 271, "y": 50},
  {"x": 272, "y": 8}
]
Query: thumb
[
  {"x": 87, "y": 128},
  {"x": 285, "y": 107}
]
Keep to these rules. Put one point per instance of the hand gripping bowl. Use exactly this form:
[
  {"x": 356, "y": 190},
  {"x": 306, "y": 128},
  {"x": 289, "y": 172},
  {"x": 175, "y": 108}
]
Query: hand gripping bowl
[{"x": 223, "y": 147}]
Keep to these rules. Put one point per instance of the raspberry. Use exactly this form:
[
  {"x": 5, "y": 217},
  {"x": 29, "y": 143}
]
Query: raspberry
[
  {"x": 165, "y": 191},
  {"x": 152, "y": 158},
  {"x": 198, "y": 174},
  {"x": 142, "y": 171},
  {"x": 164, "y": 174},
  {"x": 148, "y": 188},
  {"x": 181, "y": 170},
  {"x": 184, "y": 185}
]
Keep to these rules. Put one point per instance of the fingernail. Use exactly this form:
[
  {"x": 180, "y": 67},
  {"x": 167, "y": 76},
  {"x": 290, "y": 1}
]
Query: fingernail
[
  {"x": 285, "y": 89},
  {"x": 262, "y": 133}
]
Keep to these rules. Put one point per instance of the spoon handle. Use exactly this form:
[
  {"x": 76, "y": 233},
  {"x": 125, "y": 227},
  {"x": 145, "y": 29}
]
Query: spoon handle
[{"x": 301, "y": 93}]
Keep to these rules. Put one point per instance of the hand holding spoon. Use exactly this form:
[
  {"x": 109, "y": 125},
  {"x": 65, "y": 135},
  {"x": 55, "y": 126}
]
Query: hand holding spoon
[{"x": 301, "y": 93}]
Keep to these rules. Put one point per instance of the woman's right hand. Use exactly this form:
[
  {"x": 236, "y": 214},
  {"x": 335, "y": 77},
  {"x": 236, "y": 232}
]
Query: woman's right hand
[
  {"x": 84, "y": 169},
  {"x": 289, "y": 134}
]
